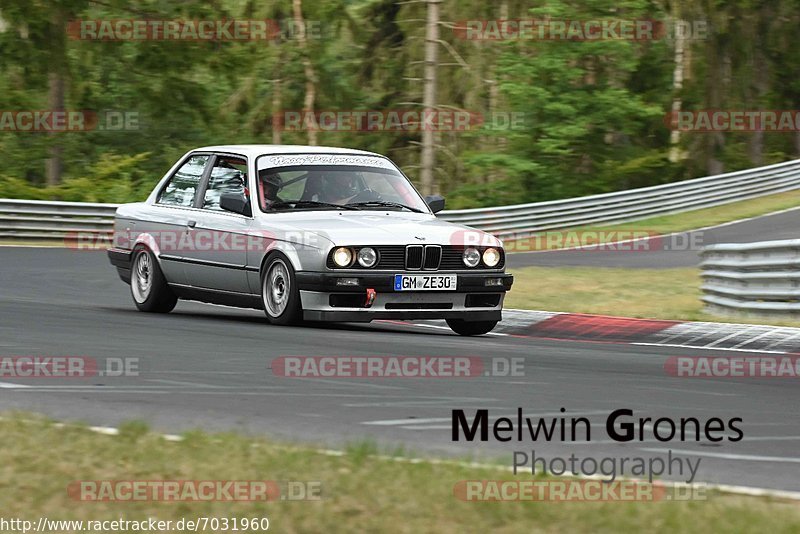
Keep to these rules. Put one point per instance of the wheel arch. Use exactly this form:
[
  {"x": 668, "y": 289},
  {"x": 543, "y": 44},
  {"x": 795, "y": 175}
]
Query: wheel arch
[
  {"x": 287, "y": 252},
  {"x": 146, "y": 240}
]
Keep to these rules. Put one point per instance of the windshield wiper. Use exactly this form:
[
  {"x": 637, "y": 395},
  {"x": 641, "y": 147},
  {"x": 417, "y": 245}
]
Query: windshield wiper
[
  {"x": 388, "y": 204},
  {"x": 308, "y": 204}
]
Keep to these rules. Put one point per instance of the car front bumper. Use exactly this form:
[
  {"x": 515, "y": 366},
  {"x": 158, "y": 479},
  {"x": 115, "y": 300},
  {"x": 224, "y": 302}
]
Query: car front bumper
[{"x": 323, "y": 299}]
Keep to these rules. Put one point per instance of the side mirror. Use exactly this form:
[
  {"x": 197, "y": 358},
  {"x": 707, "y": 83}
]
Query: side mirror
[
  {"x": 235, "y": 202},
  {"x": 435, "y": 203}
]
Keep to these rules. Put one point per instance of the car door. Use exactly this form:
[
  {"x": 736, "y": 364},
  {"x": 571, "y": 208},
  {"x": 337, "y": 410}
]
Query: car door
[
  {"x": 217, "y": 259},
  {"x": 167, "y": 220}
]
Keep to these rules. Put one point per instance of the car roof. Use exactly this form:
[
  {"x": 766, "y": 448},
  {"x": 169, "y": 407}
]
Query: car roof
[{"x": 260, "y": 150}]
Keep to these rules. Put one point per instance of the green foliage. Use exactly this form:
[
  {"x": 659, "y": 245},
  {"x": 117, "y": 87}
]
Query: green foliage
[
  {"x": 113, "y": 179},
  {"x": 11, "y": 187},
  {"x": 593, "y": 111}
]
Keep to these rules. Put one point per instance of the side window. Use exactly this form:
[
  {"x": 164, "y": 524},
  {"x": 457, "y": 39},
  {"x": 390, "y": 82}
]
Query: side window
[
  {"x": 182, "y": 186},
  {"x": 229, "y": 175}
]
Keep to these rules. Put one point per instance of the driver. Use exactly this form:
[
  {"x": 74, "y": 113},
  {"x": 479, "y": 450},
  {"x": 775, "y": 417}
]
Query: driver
[
  {"x": 269, "y": 184},
  {"x": 337, "y": 187}
]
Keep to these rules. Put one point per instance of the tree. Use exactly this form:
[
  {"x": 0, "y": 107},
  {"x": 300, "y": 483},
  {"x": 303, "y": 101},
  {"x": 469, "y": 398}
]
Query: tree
[
  {"x": 44, "y": 25},
  {"x": 429, "y": 92},
  {"x": 310, "y": 73}
]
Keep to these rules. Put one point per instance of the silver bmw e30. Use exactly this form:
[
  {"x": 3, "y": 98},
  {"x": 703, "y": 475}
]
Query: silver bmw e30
[{"x": 306, "y": 233}]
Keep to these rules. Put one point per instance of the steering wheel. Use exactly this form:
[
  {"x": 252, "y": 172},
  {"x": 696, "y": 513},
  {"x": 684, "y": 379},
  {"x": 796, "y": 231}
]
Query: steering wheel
[{"x": 366, "y": 195}]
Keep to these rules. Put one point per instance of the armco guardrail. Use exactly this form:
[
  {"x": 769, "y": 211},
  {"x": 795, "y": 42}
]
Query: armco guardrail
[
  {"x": 24, "y": 219},
  {"x": 525, "y": 219},
  {"x": 36, "y": 219},
  {"x": 760, "y": 278}
]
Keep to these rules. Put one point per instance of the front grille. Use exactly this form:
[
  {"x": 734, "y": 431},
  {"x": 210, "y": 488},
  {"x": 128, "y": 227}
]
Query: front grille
[
  {"x": 451, "y": 259},
  {"x": 393, "y": 258},
  {"x": 414, "y": 255},
  {"x": 433, "y": 256}
]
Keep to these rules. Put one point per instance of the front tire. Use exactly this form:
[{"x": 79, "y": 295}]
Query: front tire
[
  {"x": 279, "y": 292},
  {"x": 471, "y": 328},
  {"x": 149, "y": 288}
]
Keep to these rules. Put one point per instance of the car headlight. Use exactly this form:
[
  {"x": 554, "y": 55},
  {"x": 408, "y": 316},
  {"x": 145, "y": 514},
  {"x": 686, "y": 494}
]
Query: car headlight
[
  {"x": 342, "y": 256},
  {"x": 367, "y": 257},
  {"x": 471, "y": 257},
  {"x": 491, "y": 257}
]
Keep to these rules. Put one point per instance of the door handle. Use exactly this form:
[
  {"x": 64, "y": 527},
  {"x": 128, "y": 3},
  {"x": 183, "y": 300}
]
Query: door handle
[{"x": 191, "y": 224}]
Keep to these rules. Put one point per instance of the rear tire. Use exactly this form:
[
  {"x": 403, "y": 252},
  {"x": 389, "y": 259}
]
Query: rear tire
[
  {"x": 149, "y": 288},
  {"x": 471, "y": 328},
  {"x": 279, "y": 292}
]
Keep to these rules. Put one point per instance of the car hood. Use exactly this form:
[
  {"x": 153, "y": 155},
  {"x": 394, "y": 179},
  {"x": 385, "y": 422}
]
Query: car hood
[{"x": 378, "y": 228}]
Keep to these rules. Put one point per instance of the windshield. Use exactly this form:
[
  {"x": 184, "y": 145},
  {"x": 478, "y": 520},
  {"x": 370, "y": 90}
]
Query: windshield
[{"x": 310, "y": 187}]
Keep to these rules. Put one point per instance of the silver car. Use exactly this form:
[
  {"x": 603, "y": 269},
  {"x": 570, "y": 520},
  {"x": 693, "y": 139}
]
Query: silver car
[{"x": 306, "y": 233}]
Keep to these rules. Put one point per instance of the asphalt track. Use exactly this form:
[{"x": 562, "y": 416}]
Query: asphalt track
[
  {"x": 680, "y": 250},
  {"x": 209, "y": 367}
]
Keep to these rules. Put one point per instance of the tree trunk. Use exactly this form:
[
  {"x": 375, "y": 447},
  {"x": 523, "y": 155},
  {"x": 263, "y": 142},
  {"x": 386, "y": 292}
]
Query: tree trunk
[
  {"x": 54, "y": 164},
  {"x": 277, "y": 102},
  {"x": 797, "y": 144},
  {"x": 759, "y": 88},
  {"x": 429, "y": 96},
  {"x": 277, "y": 120},
  {"x": 718, "y": 83},
  {"x": 310, "y": 73},
  {"x": 677, "y": 87},
  {"x": 755, "y": 148},
  {"x": 494, "y": 105},
  {"x": 57, "y": 83}
]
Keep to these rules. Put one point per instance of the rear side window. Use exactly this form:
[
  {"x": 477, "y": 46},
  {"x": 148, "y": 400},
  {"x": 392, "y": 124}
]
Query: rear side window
[
  {"x": 183, "y": 185},
  {"x": 229, "y": 175}
]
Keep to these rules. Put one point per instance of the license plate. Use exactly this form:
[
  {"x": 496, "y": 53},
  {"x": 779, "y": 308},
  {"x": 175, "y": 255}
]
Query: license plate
[{"x": 425, "y": 282}]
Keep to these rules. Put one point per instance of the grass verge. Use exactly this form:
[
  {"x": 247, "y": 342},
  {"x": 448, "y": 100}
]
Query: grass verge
[
  {"x": 360, "y": 493},
  {"x": 646, "y": 293}
]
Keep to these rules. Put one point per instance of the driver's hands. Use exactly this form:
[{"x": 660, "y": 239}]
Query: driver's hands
[{"x": 365, "y": 196}]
